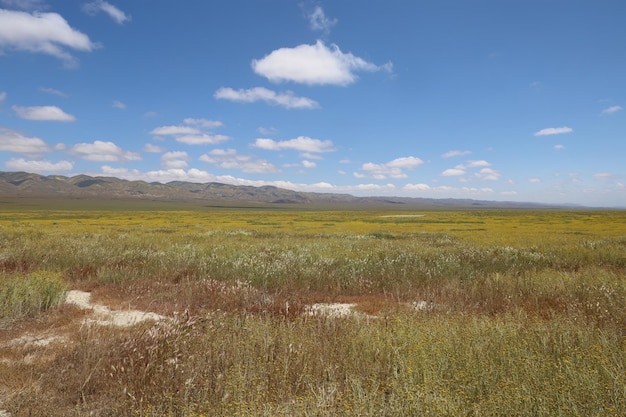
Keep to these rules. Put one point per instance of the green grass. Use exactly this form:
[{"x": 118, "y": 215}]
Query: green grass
[
  {"x": 34, "y": 292},
  {"x": 528, "y": 318}
]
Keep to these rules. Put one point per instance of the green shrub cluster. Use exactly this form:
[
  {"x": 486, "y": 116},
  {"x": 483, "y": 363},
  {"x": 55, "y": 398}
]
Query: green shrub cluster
[{"x": 23, "y": 294}]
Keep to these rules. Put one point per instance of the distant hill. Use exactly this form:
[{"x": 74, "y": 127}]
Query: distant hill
[{"x": 28, "y": 185}]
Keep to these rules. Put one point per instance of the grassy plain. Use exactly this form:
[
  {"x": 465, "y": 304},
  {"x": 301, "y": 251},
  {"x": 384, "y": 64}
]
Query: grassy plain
[{"x": 523, "y": 312}]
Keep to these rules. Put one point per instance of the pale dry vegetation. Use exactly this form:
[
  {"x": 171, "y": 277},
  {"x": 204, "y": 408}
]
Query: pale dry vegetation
[{"x": 503, "y": 313}]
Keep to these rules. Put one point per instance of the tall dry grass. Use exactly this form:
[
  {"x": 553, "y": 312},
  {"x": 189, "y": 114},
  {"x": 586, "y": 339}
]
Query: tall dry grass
[
  {"x": 30, "y": 293},
  {"x": 409, "y": 364},
  {"x": 527, "y": 314}
]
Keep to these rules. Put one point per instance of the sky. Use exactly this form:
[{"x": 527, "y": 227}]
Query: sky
[{"x": 474, "y": 99}]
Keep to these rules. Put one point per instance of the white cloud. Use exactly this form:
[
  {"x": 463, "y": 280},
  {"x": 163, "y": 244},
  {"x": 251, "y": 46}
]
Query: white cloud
[
  {"x": 267, "y": 130},
  {"x": 114, "y": 13},
  {"x": 313, "y": 64},
  {"x": 392, "y": 169},
  {"x": 454, "y": 153},
  {"x": 310, "y": 155},
  {"x": 488, "y": 174},
  {"x": 554, "y": 131},
  {"x": 308, "y": 164},
  {"x": 43, "y": 113},
  {"x": 203, "y": 123},
  {"x": 53, "y": 91},
  {"x": 193, "y": 132},
  {"x": 3, "y": 95},
  {"x": 301, "y": 143},
  {"x": 47, "y": 33},
  {"x": 484, "y": 173},
  {"x": 169, "y": 156},
  {"x": 287, "y": 99},
  {"x": 201, "y": 139},
  {"x": 13, "y": 141},
  {"x": 453, "y": 172},
  {"x": 534, "y": 180},
  {"x": 152, "y": 148},
  {"x": 230, "y": 159},
  {"x": 175, "y": 130},
  {"x": 123, "y": 173},
  {"x": 38, "y": 165},
  {"x": 408, "y": 162},
  {"x": 319, "y": 22},
  {"x": 416, "y": 187},
  {"x": 119, "y": 105},
  {"x": 103, "y": 151},
  {"x": 474, "y": 164},
  {"x": 603, "y": 176},
  {"x": 447, "y": 190},
  {"x": 612, "y": 109},
  {"x": 175, "y": 160},
  {"x": 559, "y": 147}
]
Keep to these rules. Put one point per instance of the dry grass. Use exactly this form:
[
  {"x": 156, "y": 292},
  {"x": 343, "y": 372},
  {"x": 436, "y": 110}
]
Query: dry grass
[{"x": 518, "y": 313}]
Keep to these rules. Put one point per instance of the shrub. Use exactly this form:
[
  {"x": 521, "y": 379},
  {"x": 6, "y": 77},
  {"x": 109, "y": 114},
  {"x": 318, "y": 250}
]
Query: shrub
[{"x": 30, "y": 293}]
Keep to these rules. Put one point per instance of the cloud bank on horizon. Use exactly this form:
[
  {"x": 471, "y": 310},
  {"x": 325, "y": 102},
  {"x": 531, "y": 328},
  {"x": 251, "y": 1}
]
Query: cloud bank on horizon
[{"x": 420, "y": 100}]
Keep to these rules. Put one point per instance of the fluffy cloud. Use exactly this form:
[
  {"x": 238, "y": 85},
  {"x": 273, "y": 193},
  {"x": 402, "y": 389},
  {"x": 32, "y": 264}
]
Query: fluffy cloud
[
  {"x": 416, "y": 187},
  {"x": 53, "y": 91},
  {"x": 174, "y": 160},
  {"x": 454, "y": 153},
  {"x": 38, "y": 165},
  {"x": 301, "y": 143},
  {"x": 267, "y": 130},
  {"x": 488, "y": 174},
  {"x": 3, "y": 95},
  {"x": 47, "y": 33},
  {"x": 230, "y": 159},
  {"x": 152, "y": 148},
  {"x": 13, "y": 141},
  {"x": 43, "y": 113},
  {"x": 392, "y": 169},
  {"x": 174, "y": 130},
  {"x": 287, "y": 99},
  {"x": 453, "y": 172},
  {"x": 202, "y": 139},
  {"x": 114, "y": 13},
  {"x": 192, "y": 132},
  {"x": 554, "y": 131},
  {"x": 118, "y": 104},
  {"x": 447, "y": 190},
  {"x": 203, "y": 123},
  {"x": 192, "y": 175},
  {"x": 319, "y": 22},
  {"x": 315, "y": 64},
  {"x": 461, "y": 170},
  {"x": 612, "y": 109},
  {"x": 473, "y": 164},
  {"x": 103, "y": 151},
  {"x": 603, "y": 176}
]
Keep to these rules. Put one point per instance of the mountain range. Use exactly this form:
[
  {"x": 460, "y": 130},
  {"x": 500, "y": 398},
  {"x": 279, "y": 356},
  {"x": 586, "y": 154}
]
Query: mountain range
[{"x": 29, "y": 185}]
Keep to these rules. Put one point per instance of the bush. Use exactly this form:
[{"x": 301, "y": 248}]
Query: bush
[{"x": 35, "y": 292}]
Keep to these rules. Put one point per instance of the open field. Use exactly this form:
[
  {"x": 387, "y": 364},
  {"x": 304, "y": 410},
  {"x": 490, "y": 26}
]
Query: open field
[{"x": 455, "y": 313}]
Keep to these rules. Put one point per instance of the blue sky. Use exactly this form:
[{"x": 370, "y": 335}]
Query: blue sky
[{"x": 481, "y": 99}]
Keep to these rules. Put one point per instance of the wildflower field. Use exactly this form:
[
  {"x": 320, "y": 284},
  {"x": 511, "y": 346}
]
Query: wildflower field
[{"x": 455, "y": 312}]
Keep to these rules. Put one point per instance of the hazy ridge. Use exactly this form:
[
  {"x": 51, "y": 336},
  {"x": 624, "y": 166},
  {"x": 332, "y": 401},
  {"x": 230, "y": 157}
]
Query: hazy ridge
[{"x": 29, "y": 185}]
